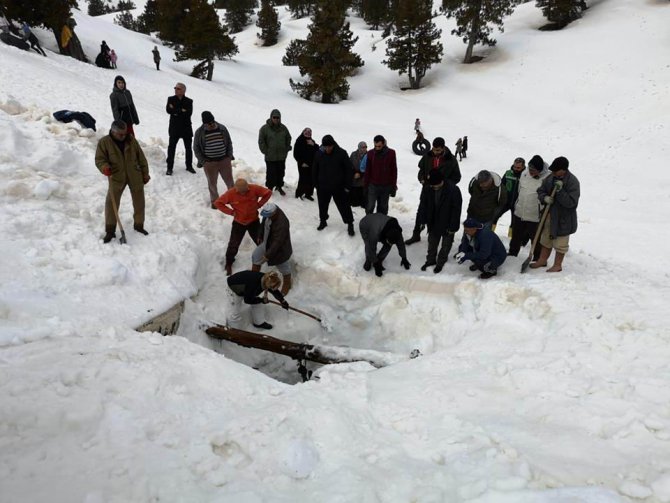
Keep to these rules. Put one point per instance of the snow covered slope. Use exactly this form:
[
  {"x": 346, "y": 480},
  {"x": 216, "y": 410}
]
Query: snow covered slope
[{"x": 531, "y": 388}]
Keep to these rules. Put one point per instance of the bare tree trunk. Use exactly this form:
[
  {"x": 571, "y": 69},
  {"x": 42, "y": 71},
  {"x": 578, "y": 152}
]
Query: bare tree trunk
[
  {"x": 472, "y": 37},
  {"x": 210, "y": 69}
]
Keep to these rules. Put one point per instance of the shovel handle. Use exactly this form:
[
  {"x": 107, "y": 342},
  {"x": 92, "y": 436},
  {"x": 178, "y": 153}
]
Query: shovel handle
[{"x": 296, "y": 310}]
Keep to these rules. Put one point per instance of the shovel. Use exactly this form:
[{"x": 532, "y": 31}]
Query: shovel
[
  {"x": 526, "y": 263},
  {"x": 116, "y": 212},
  {"x": 297, "y": 310}
]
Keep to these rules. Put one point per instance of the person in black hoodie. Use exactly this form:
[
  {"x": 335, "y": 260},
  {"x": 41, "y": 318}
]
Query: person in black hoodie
[
  {"x": 304, "y": 150},
  {"x": 332, "y": 176},
  {"x": 247, "y": 287},
  {"x": 440, "y": 211},
  {"x": 123, "y": 108},
  {"x": 180, "y": 109}
]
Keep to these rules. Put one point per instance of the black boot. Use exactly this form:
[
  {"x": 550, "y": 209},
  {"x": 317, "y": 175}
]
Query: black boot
[
  {"x": 438, "y": 268},
  {"x": 109, "y": 235},
  {"x": 281, "y": 191},
  {"x": 367, "y": 266},
  {"x": 350, "y": 229},
  {"x": 473, "y": 267},
  {"x": 322, "y": 225},
  {"x": 190, "y": 169},
  {"x": 169, "y": 172},
  {"x": 427, "y": 264},
  {"x": 140, "y": 229},
  {"x": 265, "y": 325}
]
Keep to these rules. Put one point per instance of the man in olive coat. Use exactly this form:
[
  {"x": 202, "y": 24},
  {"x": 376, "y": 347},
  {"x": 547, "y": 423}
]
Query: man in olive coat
[
  {"x": 274, "y": 141},
  {"x": 120, "y": 158}
]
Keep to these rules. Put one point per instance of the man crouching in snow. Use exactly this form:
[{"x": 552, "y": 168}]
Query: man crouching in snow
[
  {"x": 481, "y": 245},
  {"x": 248, "y": 286},
  {"x": 379, "y": 228}
]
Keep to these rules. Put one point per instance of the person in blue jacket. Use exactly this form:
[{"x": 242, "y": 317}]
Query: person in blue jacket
[{"x": 483, "y": 247}]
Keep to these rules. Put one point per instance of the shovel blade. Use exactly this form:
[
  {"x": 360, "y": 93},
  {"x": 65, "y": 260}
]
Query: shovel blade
[
  {"x": 524, "y": 266},
  {"x": 123, "y": 238}
]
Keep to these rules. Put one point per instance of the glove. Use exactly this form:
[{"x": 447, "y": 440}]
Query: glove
[
  {"x": 107, "y": 171},
  {"x": 558, "y": 184},
  {"x": 548, "y": 199},
  {"x": 146, "y": 179},
  {"x": 405, "y": 263},
  {"x": 460, "y": 256},
  {"x": 284, "y": 304},
  {"x": 393, "y": 191},
  {"x": 378, "y": 270}
]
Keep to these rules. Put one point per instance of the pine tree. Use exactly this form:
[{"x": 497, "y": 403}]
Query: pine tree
[
  {"x": 170, "y": 20},
  {"x": 125, "y": 5},
  {"x": 203, "y": 38},
  {"x": 301, "y": 8},
  {"x": 52, "y": 14},
  {"x": 238, "y": 14},
  {"x": 268, "y": 22},
  {"x": 148, "y": 20},
  {"x": 561, "y": 12},
  {"x": 96, "y": 8},
  {"x": 125, "y": 19},
  {"x": 375, "y": 13},
  {"x": 473, "y": 18},
  {"x": 415, "y": 45},
  {"x": 327, "y": 58},
  {"x": 293, "y": 52}
]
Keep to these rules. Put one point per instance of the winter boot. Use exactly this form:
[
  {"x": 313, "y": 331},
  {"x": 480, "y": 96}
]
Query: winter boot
[
  {"x": 428, "y": 264},
  {"x": 438, "y": 268},
  {"x": 311, "y": 198},
  {"x": 140, "y": 228},
  {"x": 255, "y": 268},
  {"x": 473, "y": 267},
  {"x": 367, "y": 266},
  {"x": 281, "y": 191},
  {"x": 286, "y": 284},
  {"x": 487, "y": 274},
  {"x": 169, "y": 172},
  {"x": 542, "y": 261},
  {"x": 265, "y": 326},
  {"x": 350, "y": 229},
  {"x": 109, "y": 235},
  {"x": 558, "y": 262},
  {"x": 322, "y": 225},
  {"x": 190, "y": 169},
  {"x": 416, "y": 236}
]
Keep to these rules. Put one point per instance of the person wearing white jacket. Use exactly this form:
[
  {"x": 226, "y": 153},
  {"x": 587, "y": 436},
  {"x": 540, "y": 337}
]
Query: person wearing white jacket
[{"x": 527, "y": 209}]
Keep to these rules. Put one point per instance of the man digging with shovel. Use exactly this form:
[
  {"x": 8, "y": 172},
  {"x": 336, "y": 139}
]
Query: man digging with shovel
[{"x": 120, "y": 158}]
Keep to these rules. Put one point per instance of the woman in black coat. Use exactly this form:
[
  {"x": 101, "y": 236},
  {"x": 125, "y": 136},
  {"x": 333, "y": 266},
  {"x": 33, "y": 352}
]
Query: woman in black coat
[{"x": 303, "y": 153}]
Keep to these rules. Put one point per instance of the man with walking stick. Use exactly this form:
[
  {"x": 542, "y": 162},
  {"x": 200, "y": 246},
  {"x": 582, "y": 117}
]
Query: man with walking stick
[{"x": 120, "y": 158}]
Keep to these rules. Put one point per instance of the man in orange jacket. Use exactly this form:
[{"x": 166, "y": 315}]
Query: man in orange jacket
[{"x": 242, "y": 202}]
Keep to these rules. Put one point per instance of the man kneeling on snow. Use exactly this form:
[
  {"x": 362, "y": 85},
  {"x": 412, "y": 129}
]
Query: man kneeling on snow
[
  {"x": 247, "y": 286},
  {"x": 481, "y": 245},
  {"x": 379, "y": 228}
]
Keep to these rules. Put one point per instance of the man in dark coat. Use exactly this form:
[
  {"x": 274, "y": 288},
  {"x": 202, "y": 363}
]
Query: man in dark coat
[
  {"x": 274, "y": 244},
  {"x": 379, "y": 228},
  {"x": 562, "y": 218},
  {"x": 440, "y": 211},
  {"x": 332, "y": 175},
  {"x": 180, "y": 109},
  {"x": 381, "y": 176},
  {"x": 304, "y": 150},
  {"x": 123, "y": 107},
  {"x": 274, "y": 141},
  {"x": 488, "y": 198},
  {"x": 483, "y": 247},
  {"x": 247, "y": 286},
  {"x": 441, "y": 159}
]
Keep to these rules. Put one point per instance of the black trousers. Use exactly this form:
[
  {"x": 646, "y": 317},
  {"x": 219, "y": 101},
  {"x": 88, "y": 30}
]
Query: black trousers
[
  {"x": 305, "y": 186},
  {"x": 237, "y": 232},
  {"x": 172, "y": 146},
  {"x": 433, "y": 242},
  {"x": 341, "y": 201},
  {"x": 522, "y": 233},
  {"x": 274, "y": 174}
]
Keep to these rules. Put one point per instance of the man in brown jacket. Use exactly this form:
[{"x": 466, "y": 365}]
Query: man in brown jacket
[
  {"x": 120, "y": 158},
  {"x": 274, "y": 244}
]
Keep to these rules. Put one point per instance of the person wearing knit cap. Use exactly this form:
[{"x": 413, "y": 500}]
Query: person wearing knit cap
[
  {"x": 274, "y": 141},
  {"x": 358, "y": 158},
  {"x": 511, "y": 182},
  {"x": 441, "y": 159},
  {"x": 526, "y": 216},
  {"x": 379, "y": 228},
  {"x": 180, "y": 108},
  {"x": 332, "y": 175},
  {"x": 483, "y": 247},
  {"x": 440, "y": 211},
  {"x": 381, "y": 176},
  {"x": 561, "y": 221},
  {"x": 274, "y": 244},
  {"x": 488, "y": 198},
  {"x": 123, "y": 107},
  {"x": 304, "y": 150},
  {"x": 214, "y": 150}
]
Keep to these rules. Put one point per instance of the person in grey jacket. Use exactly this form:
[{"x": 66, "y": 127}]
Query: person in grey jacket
[
  {"x": 274, "y": 244},
  {"x": 380, "y": 228},
  {"x": 526, "y": 216},
  {"x": 213, "y": 148},
  {"x": 123, "y": 108},
  {"x": 562, "y": 218}
]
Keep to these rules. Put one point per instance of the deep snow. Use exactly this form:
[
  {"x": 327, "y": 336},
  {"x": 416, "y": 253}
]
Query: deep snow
[{"x": 531, "y": 387}]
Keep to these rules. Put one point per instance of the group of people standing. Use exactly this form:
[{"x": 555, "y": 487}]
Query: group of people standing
[
  {"x": 364, "y": 178},
  {"x": 107, "y": 57}
]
